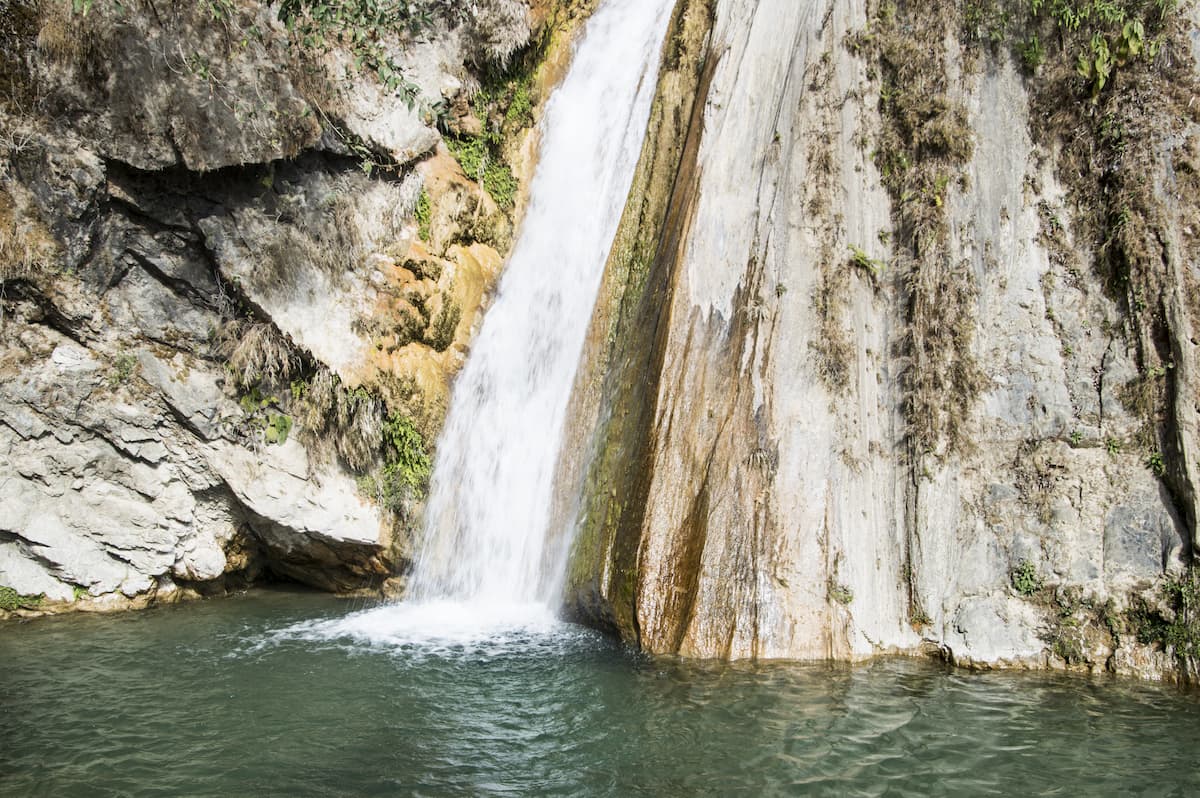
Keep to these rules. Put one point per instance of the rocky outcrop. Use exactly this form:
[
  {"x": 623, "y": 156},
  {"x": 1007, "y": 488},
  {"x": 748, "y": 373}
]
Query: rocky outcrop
[
  {"x": 240, "y": 267},
  {"x": 872, "y": 370}
]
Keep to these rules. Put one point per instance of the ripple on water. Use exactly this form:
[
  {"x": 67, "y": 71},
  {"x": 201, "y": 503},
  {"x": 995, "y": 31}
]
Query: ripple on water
[{"x": 315, "y": 700}]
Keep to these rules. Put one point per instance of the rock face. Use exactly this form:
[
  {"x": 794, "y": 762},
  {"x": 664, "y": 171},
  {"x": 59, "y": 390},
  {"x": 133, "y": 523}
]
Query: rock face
[
  {"x": 232, "y": 265},
  {"x": 871, "y": 371}
]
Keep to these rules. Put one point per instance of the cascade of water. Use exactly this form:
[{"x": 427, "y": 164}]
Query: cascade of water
[{"x": 489, "y": 503}]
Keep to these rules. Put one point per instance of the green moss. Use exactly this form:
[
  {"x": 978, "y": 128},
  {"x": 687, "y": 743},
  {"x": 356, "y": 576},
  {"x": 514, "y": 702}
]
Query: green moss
[
  {"x": 424, "y": 215},
  {"x": 445, "y": 325},
  {"x": 11, "y": 600}
]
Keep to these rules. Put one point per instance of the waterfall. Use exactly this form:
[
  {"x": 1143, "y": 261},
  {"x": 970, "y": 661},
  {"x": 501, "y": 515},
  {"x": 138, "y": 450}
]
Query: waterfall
[{"x": 486, "y": 532}]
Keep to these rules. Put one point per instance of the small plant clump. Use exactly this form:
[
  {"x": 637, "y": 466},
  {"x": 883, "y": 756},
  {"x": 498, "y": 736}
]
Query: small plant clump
[
  {"x": 1173, "y": 623},
  {"x": 482, "y": 163},
  {"x": 1182, "y": 633},
  {"x": 123, "y": 367},
  {"x": 277, "y": 429},
  {"x": 11, "y": 600},
  {"x": 407, "y": 467},
  {"x": 1025, "y": 579},
  {"x": 864, "y": 262}
]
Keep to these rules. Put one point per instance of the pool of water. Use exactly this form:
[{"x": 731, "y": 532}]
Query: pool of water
[{"x": 295, "y": 694}]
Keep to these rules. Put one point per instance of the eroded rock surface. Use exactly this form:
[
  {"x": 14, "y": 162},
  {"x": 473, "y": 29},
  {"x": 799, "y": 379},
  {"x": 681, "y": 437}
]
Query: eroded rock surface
[
  {"x": 232, "y": 262},
  {"x": 855, "y": 394}
]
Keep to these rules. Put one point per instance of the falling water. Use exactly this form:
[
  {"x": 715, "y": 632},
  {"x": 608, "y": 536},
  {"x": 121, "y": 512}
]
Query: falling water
[{"x": 489, "y": 507}]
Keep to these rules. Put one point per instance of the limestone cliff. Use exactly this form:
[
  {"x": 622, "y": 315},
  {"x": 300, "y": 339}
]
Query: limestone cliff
[
  {"x": 243, "y": 249},
  {"x": 895, "y": 351}
]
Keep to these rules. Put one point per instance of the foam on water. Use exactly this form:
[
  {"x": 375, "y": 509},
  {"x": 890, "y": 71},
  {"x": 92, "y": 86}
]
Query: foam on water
[{"x": 438, "y": 629}]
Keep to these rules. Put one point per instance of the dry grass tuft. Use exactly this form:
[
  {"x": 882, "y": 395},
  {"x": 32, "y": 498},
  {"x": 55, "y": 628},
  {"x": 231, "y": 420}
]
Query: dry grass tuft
[
  {"x": 27, "y": 248},
  {"x": 258, "y": 354},
  {"x": 501, "y": 28},
  {"x": 921, "y": 150}
]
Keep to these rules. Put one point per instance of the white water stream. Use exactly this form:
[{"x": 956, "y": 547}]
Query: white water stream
[
  {"x": 484, "y": 561},
  {"x": 489, "y": 571}
]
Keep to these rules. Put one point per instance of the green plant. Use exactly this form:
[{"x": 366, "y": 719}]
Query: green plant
[
  {"x": 1155, "y": 463},
  {"x": 481, "y": 163},
  {"x": 277, "y": 429},
  {"x": 1076, "y": 439},
  {"x": 1033, "y": 54},
  {"x": 11, "y": 600},
  {"x": 860, "y": 259},
  {"x": 407, "y": 457},
  {"x": 254, "y": 400},
  {"x": 405, "y": 473},
  {"x": 1112, "y": 446},
  {"x": 1182, "y": 633},
  {"x": 1025, "y": 579}
]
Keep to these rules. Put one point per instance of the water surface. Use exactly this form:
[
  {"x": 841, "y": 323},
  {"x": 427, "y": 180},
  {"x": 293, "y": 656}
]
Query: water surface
[{"x": 296, "y": 694}]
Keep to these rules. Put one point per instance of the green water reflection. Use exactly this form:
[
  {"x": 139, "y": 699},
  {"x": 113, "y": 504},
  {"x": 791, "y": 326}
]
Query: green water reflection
[{"x": 212, "y": 700}]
